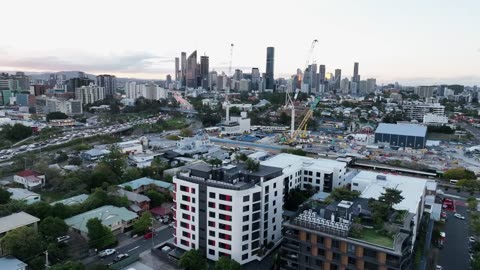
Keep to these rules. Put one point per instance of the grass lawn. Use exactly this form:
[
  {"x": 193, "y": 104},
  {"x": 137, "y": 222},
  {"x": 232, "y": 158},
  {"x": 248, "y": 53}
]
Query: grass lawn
[{"x": 370, "y": 235}]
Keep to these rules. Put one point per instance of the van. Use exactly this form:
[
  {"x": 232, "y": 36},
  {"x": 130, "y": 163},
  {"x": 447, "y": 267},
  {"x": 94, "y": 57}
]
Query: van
[{"x": 453, "y": 182}]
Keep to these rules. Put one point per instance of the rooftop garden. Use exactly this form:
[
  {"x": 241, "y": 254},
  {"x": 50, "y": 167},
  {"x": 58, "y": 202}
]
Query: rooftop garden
[{"x": 377, "y": 237}]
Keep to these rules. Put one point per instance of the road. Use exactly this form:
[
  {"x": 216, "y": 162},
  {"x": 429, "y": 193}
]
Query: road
[
  {"x": 136, "y": 247},
  {"x": 454, "y": 254},
  {"x": 473, "y": 130}
]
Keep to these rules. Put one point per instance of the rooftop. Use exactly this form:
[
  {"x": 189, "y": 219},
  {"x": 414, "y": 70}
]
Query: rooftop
[
  {"x": 11, "y": 263},
  {"x": 402, "y": 129},
  {"x": 72, "y": 200},
  {"x": 109, "y": 215},
  {"x": 133, "y": 197},
  {"x": 145, "y": 181},
  {"x": 284, "y": 161},
  {"x": 21, "y": 194},
  {"x": 27, "y": 173},
  {"x": 15, "y": 221}
]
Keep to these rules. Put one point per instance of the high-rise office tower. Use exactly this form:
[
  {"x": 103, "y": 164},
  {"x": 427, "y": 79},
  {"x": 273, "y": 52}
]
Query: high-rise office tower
[
  {"x": 238, "y": 75},
  {"x": 321, "y": 75},
  {"x": 183, "y": 72},
  {"x": 109, "y": 82},
  {"x": 255, "y": 79},
  {"x": 314, "y": 77},
  {"x": 269, "y": 79},
  {"x": 212, "y": 80},
  {"x": 74, "y": 83},
  {"x": 338, "y": 78},
  {"x": 356, "y": 76},
  {"x": 191, "y": 76},
  {"x": 204, "y": 65},
  {"x": 177, "y": 69},
  {"x": 168, "y": 81}
]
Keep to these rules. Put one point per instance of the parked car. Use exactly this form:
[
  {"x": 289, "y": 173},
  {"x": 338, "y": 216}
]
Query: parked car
[
  {"x": 63, "y": 238},
  {"x": 438, "y": 267},
  {"x": 121, "y": 257},
  {"x": 457, "y": 215},
  {"x": 149, "y": 235},
  {"x": 471, "y": 239},
  {"x": 106, "y": 252}
]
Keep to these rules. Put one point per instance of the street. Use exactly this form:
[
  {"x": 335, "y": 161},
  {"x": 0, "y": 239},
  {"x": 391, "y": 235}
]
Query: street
[
  {"x": 454, "y": 254},
  {"x": 136, "y": 247}
]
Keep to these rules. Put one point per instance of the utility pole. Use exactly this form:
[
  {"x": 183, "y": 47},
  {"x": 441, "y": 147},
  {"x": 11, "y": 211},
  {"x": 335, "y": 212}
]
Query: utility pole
[{"x": 47, "y": 264}]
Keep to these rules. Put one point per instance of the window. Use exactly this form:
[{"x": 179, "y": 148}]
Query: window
[
  {"x": 211, "y": 233},
  {"x": 211, "y": 252},
  {"x": 224, "y": 197},
  {"x": 246, "y": 218},
  {"x": 225, "y": 207},
  {"x": 318, "y": 181},
  {"x": 352, "y": 261},
  {"x": 273, "y": 220},
  {"x": 211, "y": 214},
  {"x": 245, "y": 256},
  {"x": 184, "y": 188},
  {"x": 274, "y": 202},
  {"x": 185, "y": 198},
  {"x": 185, "y": 216},
  {"x": 275, "y": 210},
  {"x": 211, "y": 204},
  {"x": 211, "y": 243},
  {"x": 186, "y": 234},
  {"x": 245, "y": 228},
  {"x": 274, "y": 185},
  {"x": 192, "y": 190},
  {"x": 274, "y": 227},
  {"x": 267, "y": 189},
  {"x": 256, "y": 196},
  {"x": 318, "y": 174},
  {"x": 185, "y": 243},
  {"x": 212, "y": 195},
  {"x": 246, "y": 208},
  {"x": 225, "y": 217},
  {"x": 211, "y": 224},
  {"x": 355, "y": 184},
  {"x": 245, "y": 237},
  {"x": 184, "y": 207},
  {"x": 246, "y": 198},
  {"x": 275, "y": 193},
  {"x": 244, "y": 247},
  {"x": 224, "y": 246},
  {"x": 351, "y": 248}
]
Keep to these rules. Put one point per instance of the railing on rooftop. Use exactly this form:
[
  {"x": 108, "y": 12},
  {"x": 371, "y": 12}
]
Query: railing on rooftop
[
  {"x": 310, "y": 220},
  {"x": 215, "y": 183}
]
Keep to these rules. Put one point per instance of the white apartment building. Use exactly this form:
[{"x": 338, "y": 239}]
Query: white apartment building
[
  {"x": 228, "y": 211},
  {"x": 45, "y": 105},
  {"x": 299, "y": 172},
  {"x": 90, "y": 94},
  {"x": 416, "y": 110},
  {"x": 236, "y": 125},
  {"x": 435, "y": 119}
]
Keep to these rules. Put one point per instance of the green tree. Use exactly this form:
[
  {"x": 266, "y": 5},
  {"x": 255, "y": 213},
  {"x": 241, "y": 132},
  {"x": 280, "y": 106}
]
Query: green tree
[
  {"x": 225, "y": 263},
  {"x": 143, "y": 224},
  {"x": 99, "y": 236},
  {"x": 469, "y": 185},
  {"x": 186, "y": 132},
  {"x": 343, "y": 193},
  {"x": 459, "y": 173},
  {"x": 4, "y": 196},
  {"x": 52, "y": 227},
  {"x": 77, "y": 161},
  {"x": 116, "y": 160},
  {"x": 157, "y": 198},
  {"x": 380, "y": 211},
  {"x": 39, "y": 209},
  {"x": 295, "y": 198},
  {"x": 472, "y": 203},
  {"x": 69, "y": 265},
  {"x": 18, "y": 132},
  {"x": 391, "y": 197},
  {"x": 56, "y": 115},
  {"x": 131, "y": 173},
  {"x": 252, "y": 165},
  {"x": 298, "y": 152},
  {"x": 193, "y": 260},
  {"x": 22, "y": 243}
]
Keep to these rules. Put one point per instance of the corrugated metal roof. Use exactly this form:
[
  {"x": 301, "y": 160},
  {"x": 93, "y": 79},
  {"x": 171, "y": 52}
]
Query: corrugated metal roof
[{"x": 402, "y": 129}]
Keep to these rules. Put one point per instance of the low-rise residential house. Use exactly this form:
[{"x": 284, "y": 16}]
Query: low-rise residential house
[
  {"x": 25, "y": 195},
  {"x": 72, "y": 200},
  {"x": 29, "y": 179},
  {"x": 116, "y": 218},
  {"x": 139, "y": 202},
  {"x": 15, "y": 221},
  {"x": 94, "y": 154},
  {"x": 143, "y": 184},
  {"x": 163, "y": 210},
  {"x": 12, "y": 263}
]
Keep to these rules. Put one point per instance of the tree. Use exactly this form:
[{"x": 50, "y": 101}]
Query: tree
[
  {"x": 39, "y": 209},
  {"x": 77, "y": 161},
  {"x": 469, "y": 185},
  {"x": 193, "y": 260},
  {"x": 22, "y": 243},
  {"x": 143, "y": 224},
  {"x": 391, "y": 197},
  {"x": 380, "y": 211},
  {"x": 69, "y": 265},
  {"x": 186, "y": 132},
  {"x": 56, "y": 115},
  {"x": 131, "y": 173},
  {"x": 17, "y": 132},
  {"x": 52, "y": 227},
  {"x": 472, "y": 203},
  {"x": 252, "y": 165},
  {"x": 4, "y": 196},
  {"x": 157, "y": 198},
  {"x": 459, "y": 173},
  {"x": 115, "y": 160},
  {"x": 294, "y": 198},
  {"x": 99, "y": 236},
  {"x": 298, "y": 152},
  {"x": 226, "y": 263},
  {"x": 343, "y": 193}
]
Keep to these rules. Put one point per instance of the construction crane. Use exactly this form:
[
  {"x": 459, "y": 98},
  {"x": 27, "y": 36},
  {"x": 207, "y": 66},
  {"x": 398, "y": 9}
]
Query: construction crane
[
  {"x": 304, "y": 122},
  {"x": 227, "y": 92}
]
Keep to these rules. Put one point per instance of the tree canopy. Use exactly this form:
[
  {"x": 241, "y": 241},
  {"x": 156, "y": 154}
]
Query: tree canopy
[
  {"x": 143, "y": 224},
  {"x": 22, "y": 243},
  {"x": 52, "y": 227},
  {"x": 69, "y": 265},
  {"x": 459, "y": 173},
  {"x": 17, "y": 132},
  {"x": 391, "y": 197},
  {"x": 193, "y": 260},
  {"x": 99, "y": 235},
  {"x": 226, "y": 263},
  {"x": 4, "y": 196},
  {"x": 343, "y": 193},
  {"x": 56, "y": 115}
]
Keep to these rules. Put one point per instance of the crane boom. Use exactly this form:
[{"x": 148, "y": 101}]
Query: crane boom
[{"x": 231, "y": 59}]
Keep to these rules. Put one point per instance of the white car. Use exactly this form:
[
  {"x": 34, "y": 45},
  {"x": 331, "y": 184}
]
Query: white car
[
  {"x": 457, "y": 215},
  {"x": 63, "y": 238},
  {"x": 438, "y": 267},
  {"x": 106, "y": 252},
  {"x": 471, "y": 239}
]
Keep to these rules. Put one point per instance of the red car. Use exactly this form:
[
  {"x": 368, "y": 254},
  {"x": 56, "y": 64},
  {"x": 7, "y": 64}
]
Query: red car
[{"x": 149, "y": 235}]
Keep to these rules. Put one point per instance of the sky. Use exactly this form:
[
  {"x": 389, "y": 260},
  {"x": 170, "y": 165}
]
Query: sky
[{"x": 409, "y": 41}]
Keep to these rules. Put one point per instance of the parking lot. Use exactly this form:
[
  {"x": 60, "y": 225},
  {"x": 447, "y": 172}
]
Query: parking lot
[{"x": 454, "y": 254}]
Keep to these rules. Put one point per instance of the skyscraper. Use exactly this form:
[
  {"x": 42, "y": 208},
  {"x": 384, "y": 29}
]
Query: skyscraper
[
  {"x": 321, "y": 75},
  {"x": 269, "y": 79},
  {"x": 255, "y": 79},
  {"x": 109, "y": 82},
  {"x": 338, "y": 78},
  {"x": 177, "y": 69},
  {"x": 191, "y": 70},
  {"x": 356, "y": 76},
  {"x": 204, "y": 65},
  {"x": 183, "y": 72}
]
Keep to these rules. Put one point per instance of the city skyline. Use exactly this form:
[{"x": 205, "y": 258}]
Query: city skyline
[{"x": 404, "y": 42}]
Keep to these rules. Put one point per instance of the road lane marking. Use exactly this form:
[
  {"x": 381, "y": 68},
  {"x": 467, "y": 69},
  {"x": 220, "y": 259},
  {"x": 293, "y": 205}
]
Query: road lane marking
[{"x": 133, "y": 249}]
